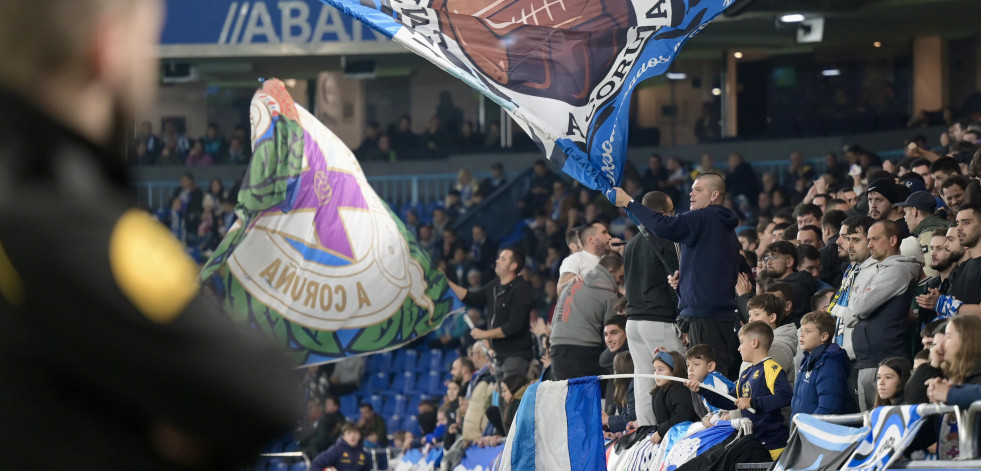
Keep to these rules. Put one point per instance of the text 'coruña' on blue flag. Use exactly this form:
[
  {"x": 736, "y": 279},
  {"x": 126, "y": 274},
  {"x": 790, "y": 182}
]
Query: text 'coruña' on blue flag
[{"x": 563, "y": 69}]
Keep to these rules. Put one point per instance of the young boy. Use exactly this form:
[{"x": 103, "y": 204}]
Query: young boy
[
  {"x": 822, "y": 382},
  {"x": 346, "y": 455},
  {"x": 769, "y": 308},
  {"x": 701, "y": 368},
  {"x": 762, "y": 386}
]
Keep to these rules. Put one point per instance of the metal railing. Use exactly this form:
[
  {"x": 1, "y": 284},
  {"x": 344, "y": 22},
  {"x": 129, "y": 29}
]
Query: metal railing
[{"x": 498, "y": 213}]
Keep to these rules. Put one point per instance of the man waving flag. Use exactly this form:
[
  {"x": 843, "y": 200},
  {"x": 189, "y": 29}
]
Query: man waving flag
[{"x": 563, "y": 69}]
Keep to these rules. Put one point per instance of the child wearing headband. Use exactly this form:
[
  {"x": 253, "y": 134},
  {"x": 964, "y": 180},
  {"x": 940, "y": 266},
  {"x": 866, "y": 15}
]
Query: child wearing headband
[{"x": 672, "y": 402}]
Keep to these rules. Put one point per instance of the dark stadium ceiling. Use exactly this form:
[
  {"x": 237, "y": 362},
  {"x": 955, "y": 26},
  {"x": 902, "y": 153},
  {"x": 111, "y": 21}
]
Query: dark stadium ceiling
[{"x": 851, "y": 26}]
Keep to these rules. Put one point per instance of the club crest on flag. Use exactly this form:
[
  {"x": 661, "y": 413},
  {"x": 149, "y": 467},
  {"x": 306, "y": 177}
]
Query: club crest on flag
[{"x": 318, "y": 248}]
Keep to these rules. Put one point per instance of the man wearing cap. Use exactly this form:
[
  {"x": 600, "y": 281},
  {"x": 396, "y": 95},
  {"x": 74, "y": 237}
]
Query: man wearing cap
[
  {"x": 883, "y": 194},
  {"x": 918, "y": 209}
]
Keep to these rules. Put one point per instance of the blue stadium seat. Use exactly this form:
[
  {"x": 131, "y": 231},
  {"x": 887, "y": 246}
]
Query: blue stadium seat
[
  {"x": 379, "y": 362},
  {"x": 435, "y": 360},
  {"x": 299, "y": 466},
  {"x": 349, "y": 406},
  {"x": 398, "y": 384},
  {"x": 376, "y": 402},
  {"x": 388, "y": 406},
  {"x": 409, "y": 383},
  {"x": 398, "y": 404},
  {"x": 422, "y": 365},
  {"x": 392, "y": 423},
  {"x": 278, "y": 465},
  {"x": 411, "y": 360},
  {"x": 379, "y": 382},
  {"x": 435, "y": 385},
  {"x": 411, "y": 424}
]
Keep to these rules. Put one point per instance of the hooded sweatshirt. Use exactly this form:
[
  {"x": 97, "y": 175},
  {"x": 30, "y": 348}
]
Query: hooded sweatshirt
[
  {"x": 709, "y": 256},
  {"x": 582, "y": 307},
  {"x": 877, "y": 310}
]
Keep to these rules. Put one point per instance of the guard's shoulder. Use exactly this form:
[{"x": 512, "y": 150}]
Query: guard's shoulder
[{"x": 150, "y": 267}]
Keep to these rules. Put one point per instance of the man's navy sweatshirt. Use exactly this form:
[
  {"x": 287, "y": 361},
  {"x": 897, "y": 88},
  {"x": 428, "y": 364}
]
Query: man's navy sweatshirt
[{"x": 709, "y": 256}]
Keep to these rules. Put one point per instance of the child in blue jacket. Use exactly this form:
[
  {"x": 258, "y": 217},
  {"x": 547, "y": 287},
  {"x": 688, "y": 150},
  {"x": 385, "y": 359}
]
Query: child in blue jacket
[{"x": 822, "y": 382}]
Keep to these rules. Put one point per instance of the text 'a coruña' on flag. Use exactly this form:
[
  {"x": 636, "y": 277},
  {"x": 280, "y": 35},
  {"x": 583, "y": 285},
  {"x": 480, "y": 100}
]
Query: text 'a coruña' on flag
[
  {"x": 563, "y": 69},
  {"x": 317, "y": 260}
]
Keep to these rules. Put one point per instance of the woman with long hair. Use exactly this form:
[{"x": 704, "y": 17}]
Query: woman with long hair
[
  {"x": 961, "y": 365},
  {"x": 890, "y": 380},
  {"x": 623, "y": 395}
]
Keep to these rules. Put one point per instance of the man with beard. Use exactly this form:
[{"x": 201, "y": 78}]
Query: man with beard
[
  {"x": 964, "y": 295},
  {"x": 106, "y": 340},
  {"x": 832, "y": 257},
  {"x": 878, "y": 307},
  {"x": 883, "y": 196},
  {"x": 942, "y": 261},
  {"x": 918, "y": 209},
  {"x": 780, "y": 262}
]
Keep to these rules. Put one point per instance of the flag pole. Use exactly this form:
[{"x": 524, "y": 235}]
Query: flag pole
[{"x": 724, "y": 394}]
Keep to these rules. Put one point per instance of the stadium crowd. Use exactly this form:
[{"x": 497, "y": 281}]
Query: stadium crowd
[
  {"x": 842, "y": 277},
  {"x": 843, "y": 286}
]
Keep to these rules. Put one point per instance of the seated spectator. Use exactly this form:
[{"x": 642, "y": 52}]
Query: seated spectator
[
  {"x": 466, "y": 186},
  {"x": 512, "y": 389},
  {"x": 371, "y": 423},
  {"x": 435, "y": 140},
  {"x": 196, "y": 157},
  {"x": 468, "y": 140},
  {"x": 237, "y": 152},
  {"x": 672, "y": 402},
  {"x": 623, "y": 397},
  {"x": 769, "y": 309},
  {"x": 962, "y": 364},
  {"x": 404, "y": 141},
  {"x": 346, "y": 455},
  {"x": 369, "y": 145},
  {"x": 890, "y": 379},
  {"x": 496, "y": 180},
  {"x": 213, "y": 143}
]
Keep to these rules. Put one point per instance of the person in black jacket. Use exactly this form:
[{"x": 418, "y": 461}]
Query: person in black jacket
[
  {"x": 510, "y": 298},
  {"x": 105, "y": 334},
  {"x": 673, "y": 402},
  {"x": 652, "y": 305}
]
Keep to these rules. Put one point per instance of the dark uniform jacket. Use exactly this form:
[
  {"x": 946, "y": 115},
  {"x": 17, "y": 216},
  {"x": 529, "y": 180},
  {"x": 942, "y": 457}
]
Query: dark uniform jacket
[{"x": 107, "y": 347}]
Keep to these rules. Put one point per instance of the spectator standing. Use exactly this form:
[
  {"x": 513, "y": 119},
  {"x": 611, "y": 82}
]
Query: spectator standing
[
  {"x": 879, "y": 310},
  {"x": 582, "y": 308},
  {"x": 509, "y": 301},
  {"x": 596, "y": 241},
  {"x": 652, "y": 305},
  {"x": 709, "y": 263}
]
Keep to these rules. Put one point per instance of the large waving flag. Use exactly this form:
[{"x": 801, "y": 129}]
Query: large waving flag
[
  {"x": 317, "y": 260},
  {"x": 563, "y": 69},
  {"x": 696, "y": 444},
  {"x": 818, "y": 445},
  {"x": 558, "y": 425},
  {"x": 891, "y": 430}
]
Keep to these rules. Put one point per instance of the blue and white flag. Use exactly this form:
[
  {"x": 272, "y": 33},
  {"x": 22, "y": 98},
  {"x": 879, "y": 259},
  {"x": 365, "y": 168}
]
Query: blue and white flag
[
  {"x": 892, "y": 428},
  {"x": 563, "y": 69},
  {"x": 317, "y": 261},
  {"x": 480, "y": 458},
  {"x": 558, "y": 425},
  {"x": 817, "y": 445},
  {"x": 696, "y": 444}
]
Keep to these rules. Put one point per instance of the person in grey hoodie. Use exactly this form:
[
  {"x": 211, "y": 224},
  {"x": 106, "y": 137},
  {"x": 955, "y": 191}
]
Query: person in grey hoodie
[
  {"x": 577, "y": 325},
  {"x": 879, "y": 310}
]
